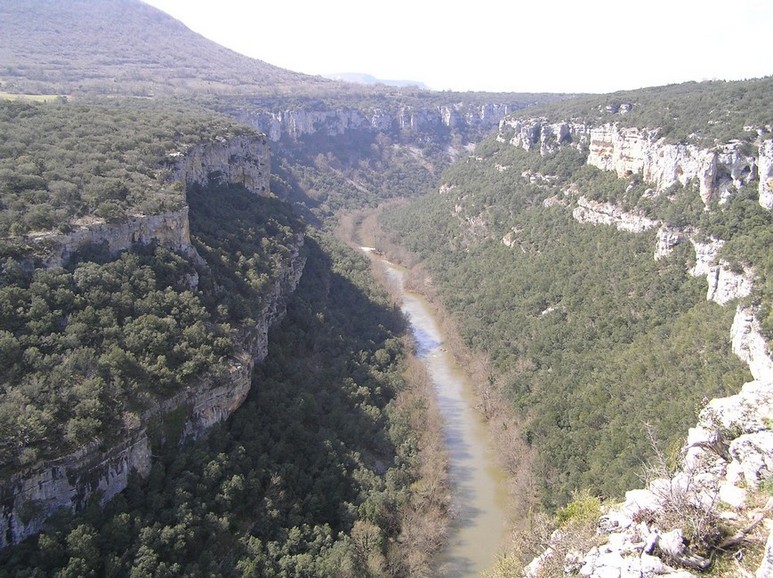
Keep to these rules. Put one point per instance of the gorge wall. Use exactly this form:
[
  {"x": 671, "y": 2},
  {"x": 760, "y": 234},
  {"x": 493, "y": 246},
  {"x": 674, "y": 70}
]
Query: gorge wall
[
  {"x": 243, "y": 160},
  {"x": 29, "y": 497},
  {"x": 459, "y": 117},
  {"x": 719, "y": 171},
  {"x": 728, "y": 455}
]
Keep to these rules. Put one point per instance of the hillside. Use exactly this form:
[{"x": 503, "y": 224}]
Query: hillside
[{"x": 108, "y": 47}]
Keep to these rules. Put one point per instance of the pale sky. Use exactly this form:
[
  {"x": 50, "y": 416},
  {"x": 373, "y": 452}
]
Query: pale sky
[{"x": 498, "y": 45}]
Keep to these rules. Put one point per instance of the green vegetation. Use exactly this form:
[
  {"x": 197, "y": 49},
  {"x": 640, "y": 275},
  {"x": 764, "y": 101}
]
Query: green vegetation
[
  {"x": 707, "y": 113},
  {"x": 323, "y": 176},
  {"x": 311, "y": 477},
  {"x": 246, "y": 241},
  {"x": 589, "y": 336},
  {"x": 109, "y": 159},
  {"x": 85, "y": 350}
]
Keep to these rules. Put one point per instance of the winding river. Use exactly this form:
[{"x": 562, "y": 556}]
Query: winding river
[{"x": 479, "y": 487}]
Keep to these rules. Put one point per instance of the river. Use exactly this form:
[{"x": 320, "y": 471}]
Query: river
[{"x": 478, "y": 484}]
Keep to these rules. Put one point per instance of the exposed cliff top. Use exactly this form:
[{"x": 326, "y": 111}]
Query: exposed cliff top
[{"x": 61, "y": 163}]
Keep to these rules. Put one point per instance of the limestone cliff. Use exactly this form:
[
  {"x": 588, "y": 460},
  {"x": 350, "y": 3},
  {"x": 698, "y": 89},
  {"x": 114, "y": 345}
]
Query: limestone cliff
[
  {"x": 334, "y": 121},
  {"x": 596, "y": 213},
  {"x": 170, "y": 229},
  {"x": 240, "y": 160},
  {"x": 719, "y": 171}
]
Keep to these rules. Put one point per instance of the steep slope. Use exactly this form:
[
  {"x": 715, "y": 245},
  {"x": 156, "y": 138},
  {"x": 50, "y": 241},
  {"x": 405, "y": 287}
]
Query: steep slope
[{"x": 124, "y": 47}]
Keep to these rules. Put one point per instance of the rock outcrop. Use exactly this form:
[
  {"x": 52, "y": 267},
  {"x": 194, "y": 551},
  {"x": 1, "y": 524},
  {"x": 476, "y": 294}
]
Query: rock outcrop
[
  {"x": 170, "y": 229},
  {"x": 30, "y": 497},
  {"x": 596, "y": 213},
  {"x": 243, "y": 160},
  {"x": 724, "y": 283},
  {"x": 725, "y": 459},
  {"x": 718, "y": 172},
  {"x": 766, "y": 174}
]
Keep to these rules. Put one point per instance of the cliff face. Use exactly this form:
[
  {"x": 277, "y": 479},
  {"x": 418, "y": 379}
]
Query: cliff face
[
  {"x": 30, "y": 497},
  {"x": 337, "y": 121},
  {"x": 170, "y": 229},
  {"x": 719, "y": 171},
  {"x": 243, "y": 160}
]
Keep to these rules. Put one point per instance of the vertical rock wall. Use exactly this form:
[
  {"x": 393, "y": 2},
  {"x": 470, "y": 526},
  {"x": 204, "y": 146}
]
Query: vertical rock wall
[{"x": 628, "y": 151}]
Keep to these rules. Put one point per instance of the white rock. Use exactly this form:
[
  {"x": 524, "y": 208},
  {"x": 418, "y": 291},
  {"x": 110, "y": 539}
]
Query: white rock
[
  {"x": 755, "y": 454},
  {"x": 765, "y": 171},
  {"x": 750, "y": 345},
  {"x": 766, "y": 566},
  {"x": 732, "y": 495}
]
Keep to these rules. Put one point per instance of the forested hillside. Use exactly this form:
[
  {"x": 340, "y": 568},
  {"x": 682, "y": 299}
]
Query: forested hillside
[
  {"x": 88, "y": 347},
  {"x": 123, "y": 47}
]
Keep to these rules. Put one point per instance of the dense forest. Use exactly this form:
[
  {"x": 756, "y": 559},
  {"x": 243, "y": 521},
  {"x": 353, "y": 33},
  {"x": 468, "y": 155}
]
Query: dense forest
[
  {"x": 314, "y": 476},
  {"x": 596, "y": 345},
  {"x": 107, "y": 159}
]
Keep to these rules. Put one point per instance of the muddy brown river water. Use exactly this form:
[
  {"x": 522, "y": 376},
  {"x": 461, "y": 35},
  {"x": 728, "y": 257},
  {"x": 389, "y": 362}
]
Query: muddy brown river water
[{"x": 479, "y": 485}]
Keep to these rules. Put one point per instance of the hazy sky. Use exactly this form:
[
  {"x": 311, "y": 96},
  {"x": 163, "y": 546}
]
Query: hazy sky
[{"x": 498, "y": 45}]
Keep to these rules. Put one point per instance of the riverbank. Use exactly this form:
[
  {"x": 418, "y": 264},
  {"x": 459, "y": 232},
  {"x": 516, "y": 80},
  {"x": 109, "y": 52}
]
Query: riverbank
[{"x": 527, "y": 529}]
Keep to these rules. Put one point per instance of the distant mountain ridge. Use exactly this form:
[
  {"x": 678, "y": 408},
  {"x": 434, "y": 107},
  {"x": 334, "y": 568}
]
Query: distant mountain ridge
[
  {"x": 363, "y": 78},
  {"x": 106, "y": 47}
]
